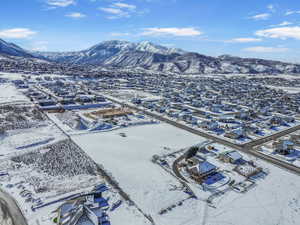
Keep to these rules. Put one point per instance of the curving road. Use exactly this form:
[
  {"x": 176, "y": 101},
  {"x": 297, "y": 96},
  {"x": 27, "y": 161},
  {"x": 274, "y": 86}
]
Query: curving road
[
  {"x": 10, "y": 213},
  {"x": 176, "y": 170}
]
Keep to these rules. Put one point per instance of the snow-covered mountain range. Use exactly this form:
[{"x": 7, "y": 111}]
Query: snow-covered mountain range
[{"x": 152, "y": 57}]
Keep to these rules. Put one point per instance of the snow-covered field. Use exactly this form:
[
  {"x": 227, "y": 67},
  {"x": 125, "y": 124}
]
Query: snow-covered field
[
  {"x": 10, "y": 93},
  {"x": 18, "y": 141},
  {"x": 275, "y": 199},
  {"x": 25, "y": 128},
  {"x": 128, "y": 94},
  {"x": 129, "y": 161}
]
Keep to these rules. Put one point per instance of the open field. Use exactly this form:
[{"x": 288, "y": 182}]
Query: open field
[
  {"x": 129, "y": 160},
  {"x": 9, "y": 94}
]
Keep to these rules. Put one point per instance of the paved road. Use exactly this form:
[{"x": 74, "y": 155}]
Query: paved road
[
  {"x": 273, "y": 160},
  {"x": 246, "y": 148},
  {"x": 271, "y": 137},
  {"x": 10, "y": 212}
]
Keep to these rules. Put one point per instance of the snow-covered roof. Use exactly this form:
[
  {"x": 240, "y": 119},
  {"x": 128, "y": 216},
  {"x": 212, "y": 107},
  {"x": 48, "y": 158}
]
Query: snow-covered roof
[
  {"x": 234, "y": 155},
  {"x": 288, "y": 142},
  {"x": 205, "y": 167}
]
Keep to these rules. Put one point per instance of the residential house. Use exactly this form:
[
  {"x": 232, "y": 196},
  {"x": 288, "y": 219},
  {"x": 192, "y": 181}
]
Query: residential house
[
  {"x": 231, "y": 157},
  {"x": 283, "y": 147},
  {"x": 236, "y": 134},
  {"x": 209, "y": 125},
  {"x": 199, "y": 170}
]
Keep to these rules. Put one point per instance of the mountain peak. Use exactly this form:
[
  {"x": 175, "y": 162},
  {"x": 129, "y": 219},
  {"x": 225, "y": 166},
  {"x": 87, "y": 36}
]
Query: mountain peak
[
  {"x": 150, "y": 47},
  {"x": 225, "y": 56},
  {"x": 160, "y": 49}
]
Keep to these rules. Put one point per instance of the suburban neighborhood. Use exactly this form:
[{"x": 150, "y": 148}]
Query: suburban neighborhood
[{"x": 68, "y": 172}]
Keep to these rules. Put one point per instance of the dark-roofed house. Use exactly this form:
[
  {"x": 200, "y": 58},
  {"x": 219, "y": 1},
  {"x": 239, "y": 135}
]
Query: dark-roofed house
[{"x": 200, "y": 170}]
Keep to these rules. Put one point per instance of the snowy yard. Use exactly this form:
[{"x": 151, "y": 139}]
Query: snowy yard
[{"x": 275, "y": 200}]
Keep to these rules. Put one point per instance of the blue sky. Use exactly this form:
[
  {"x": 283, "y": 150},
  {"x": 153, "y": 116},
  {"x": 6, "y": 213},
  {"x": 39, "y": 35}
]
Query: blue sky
[{"x": 247, "y": 28}]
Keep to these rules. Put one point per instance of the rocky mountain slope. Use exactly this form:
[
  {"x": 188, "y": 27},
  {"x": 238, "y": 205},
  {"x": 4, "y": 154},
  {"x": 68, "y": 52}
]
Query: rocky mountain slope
[
  {"x": 155, "y": 58},
  {"x": 11, "y": 49},
  {"x": 110, "y": 53},
  {"x": 122, "y": 54}
]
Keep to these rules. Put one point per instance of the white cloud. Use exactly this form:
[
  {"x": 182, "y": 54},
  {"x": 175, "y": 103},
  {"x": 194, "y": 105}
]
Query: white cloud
[
  {"x": 112, "y": 10},
  {"x": 17, "y": 33},
  {"x": 60, "y": 3},
  {"x": 124, "y": 5},
  {"x": 116, "y": 13},
  {"x": 291, "y": 12},
  {"x": 285, "y": 23},
  {"x": 244, "y": 40},
  {"x": 76, "y": 15},
  {"x": 280, "y": 32},
  {"x": 263, "y": 16},
  {"x": 263, "y": 49},
  {"x": 121, "y": 10},
  {"x": 175, "y": 31}
]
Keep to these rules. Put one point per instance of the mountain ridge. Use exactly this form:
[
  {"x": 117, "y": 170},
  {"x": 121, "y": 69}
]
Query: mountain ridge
[
  {"x": 12, "y": 49},
  {"x": 152, "y": 57}
]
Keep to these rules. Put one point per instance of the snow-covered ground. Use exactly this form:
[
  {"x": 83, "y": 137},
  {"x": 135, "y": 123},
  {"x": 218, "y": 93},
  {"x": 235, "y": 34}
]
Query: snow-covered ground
[
  {"x": 32, "y": 142},
  {"x": 54, "y": 172},
  {"x": 19, "y": 76},
  {"x": 128, "y": 94},
  {"x": 25, "y": 128},
  {"x": 292, "y": 158},
  {"x": 127, "y": 156},
  {"x": 17, "y": 141},
  {"x": 129, "y": 160},
  {"x": 291, "y": 90},
  {"x": 275, "y": 199},
  {"x": 11, "y": 76},
  {"x": 9, "y": 93},
  {"x": 78, "y": 122}
]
